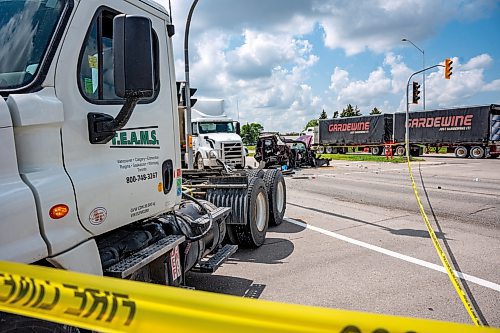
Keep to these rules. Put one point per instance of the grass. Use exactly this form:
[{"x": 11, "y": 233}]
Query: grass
[
  {"x": 250, "y": 147},
  {"x": 366, "y": 158}
]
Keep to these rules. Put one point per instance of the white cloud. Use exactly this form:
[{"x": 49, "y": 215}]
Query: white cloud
[
  {"x": 261, "y": 53},
  {"x": 481, "y": 61}
]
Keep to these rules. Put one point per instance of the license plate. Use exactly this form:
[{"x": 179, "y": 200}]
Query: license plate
[{"x": 175, "y": 263}]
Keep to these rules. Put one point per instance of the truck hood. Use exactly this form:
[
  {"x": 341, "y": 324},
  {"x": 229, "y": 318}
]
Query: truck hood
[{"x": 220, "y": 137}]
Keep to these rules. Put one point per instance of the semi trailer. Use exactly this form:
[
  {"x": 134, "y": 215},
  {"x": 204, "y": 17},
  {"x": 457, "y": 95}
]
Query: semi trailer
[
  {"x": 90, "y": 161},
  {"x": 336, "y": 135},
  {"x": 466, "y": 131}
]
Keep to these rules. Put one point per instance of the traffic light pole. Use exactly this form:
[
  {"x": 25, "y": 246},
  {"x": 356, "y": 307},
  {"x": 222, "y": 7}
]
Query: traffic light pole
[
  {"x": 407, "y": 122},
  {"x": 189, "y": 130}
]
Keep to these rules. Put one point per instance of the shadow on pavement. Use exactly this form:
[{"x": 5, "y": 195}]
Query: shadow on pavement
[
  {"x": 288, "y": 228},
  {"x": 273, "y": 251},
  {"x": 221, "y": 284},
  {"x": 399, "y": 232}
]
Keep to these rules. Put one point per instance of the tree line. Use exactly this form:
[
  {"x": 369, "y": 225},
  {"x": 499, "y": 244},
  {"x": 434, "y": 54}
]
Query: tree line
[{"x": 348, "y": 111}]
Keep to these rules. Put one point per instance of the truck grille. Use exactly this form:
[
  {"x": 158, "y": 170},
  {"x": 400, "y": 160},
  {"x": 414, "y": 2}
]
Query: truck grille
[{"x": 232, "y": 151}]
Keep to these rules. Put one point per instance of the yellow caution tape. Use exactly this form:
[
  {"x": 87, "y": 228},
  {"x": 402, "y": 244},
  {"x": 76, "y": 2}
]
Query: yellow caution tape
[
  {"x": 113, "y": 305},
  {"x": 451, "y": 274}
]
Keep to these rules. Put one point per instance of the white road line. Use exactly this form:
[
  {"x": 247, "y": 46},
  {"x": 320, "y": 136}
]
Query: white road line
[{"x": 397, "y": 255}]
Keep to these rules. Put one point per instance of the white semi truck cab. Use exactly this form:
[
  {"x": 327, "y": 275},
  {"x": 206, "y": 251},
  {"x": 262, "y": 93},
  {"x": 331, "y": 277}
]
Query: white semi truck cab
[
  {"x": 215, "y": 136},
  {"x": 90, "y": 159}
]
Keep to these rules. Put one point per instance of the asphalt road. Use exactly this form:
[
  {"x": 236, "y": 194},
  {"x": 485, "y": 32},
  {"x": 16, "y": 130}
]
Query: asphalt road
[{"x": 354, "y": 239}]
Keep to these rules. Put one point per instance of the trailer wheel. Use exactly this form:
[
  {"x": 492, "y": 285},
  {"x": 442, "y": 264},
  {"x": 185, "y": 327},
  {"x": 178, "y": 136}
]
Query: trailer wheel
[
  {"x": 477, "y": 152},
  {"x": 321, "y": 150},
  {"x": 253, "y": 233},
  {"x": 461, "y": 152},
  {"x": 276, "y": 193},
  {"x": 329, "y": 150},
  {"x": 400, "y": 151},
  {"x": 10, "y": 323},
  {"x": 376, "y": 150}
]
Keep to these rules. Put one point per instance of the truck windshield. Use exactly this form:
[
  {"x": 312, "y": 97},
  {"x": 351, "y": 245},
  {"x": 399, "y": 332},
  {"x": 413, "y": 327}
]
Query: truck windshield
[
  {"x": 26, "y": 29},
  {"x": 216, "y": 127}
]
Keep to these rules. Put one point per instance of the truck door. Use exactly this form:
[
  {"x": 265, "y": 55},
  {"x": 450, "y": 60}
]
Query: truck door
[{"x": 135, "y": 174}]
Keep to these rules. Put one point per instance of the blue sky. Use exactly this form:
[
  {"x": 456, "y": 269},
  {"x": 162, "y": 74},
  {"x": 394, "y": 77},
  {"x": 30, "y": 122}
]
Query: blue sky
[{"x": 283, "y": 61}]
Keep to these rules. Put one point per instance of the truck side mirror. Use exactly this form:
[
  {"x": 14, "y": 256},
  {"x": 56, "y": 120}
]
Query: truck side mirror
[
  {"x": 237, "y": 126},
  {"x": 133, "y": 69},
  {"x": 133, "y": 56}
]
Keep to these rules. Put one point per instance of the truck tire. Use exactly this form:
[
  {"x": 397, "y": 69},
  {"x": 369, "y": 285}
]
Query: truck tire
[
  {"x": 255, "y": 173},
  {"x": 377, "y": 150},
  {"x": 276, "y": 193},
  {"x": 400, "y": 151},
  {"x": 329, "y": 150},
  {"x": 477, "y": 152},
  {"x": 321, "y": 150},
  {"x": 10, "y": 323},
  {"x": 461, "y": 152},
  {"x": 253, "y": 233}
]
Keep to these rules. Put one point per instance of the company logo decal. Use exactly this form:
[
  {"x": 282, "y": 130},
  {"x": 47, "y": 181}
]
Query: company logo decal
[
  {"x": 450, "y": 123},
  {"x": 354, "y": 128},
  {"x": 139, "y": 137},
  {"x": 98, "y": 215}
]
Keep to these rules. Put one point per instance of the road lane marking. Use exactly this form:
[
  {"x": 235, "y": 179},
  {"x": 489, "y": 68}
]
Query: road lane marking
[{"x": 439, "y": 268}]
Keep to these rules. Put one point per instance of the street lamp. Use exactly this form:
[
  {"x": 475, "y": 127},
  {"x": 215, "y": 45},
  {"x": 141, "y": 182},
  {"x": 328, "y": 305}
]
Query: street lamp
[{"x": 423, "y": 66}]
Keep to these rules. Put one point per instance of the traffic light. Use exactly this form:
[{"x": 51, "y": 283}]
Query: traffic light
[
  {"x": 447, "y": 68},
  {"x": 192, "y": 91},
  {"x": 416, "y": 92}
]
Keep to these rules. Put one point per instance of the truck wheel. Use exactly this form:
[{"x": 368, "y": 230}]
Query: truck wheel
[
  {"x": 10, "y": 323},
  {"x": 321, "y": 150},
  {"x": 198, "y": 164},
  {"x": 253, "y": 234},
  {"x": 477, "y": 152},
  {"x": 461, "y": 152},
  {"x": 329, "y": 150},
  {"x": 400, "y": 151},
  {"x": 276, "y": 193}
]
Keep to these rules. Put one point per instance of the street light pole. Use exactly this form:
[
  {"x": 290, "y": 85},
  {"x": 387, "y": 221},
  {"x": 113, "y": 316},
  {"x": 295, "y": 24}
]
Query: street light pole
[
  {"x": 423, "y": 66},
  {"x": 188, "y": 127}
]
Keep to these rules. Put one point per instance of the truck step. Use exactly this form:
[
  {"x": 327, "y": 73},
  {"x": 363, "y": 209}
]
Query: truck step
[
  {"x": 210, "y": 265},
  {"x": 129, "y": 265}
]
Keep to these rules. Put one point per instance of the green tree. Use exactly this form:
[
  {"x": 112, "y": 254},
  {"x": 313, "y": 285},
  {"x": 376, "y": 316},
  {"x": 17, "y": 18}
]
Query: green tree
[
  {"x": 250, "y": 133},
  {"x": 349, "y": 111},
  {"x": 312, "y": 123},
  {"x": 323, "y": 115},
  {"x": 335, "y": 114},
  {"x": 375, "y": 111}
]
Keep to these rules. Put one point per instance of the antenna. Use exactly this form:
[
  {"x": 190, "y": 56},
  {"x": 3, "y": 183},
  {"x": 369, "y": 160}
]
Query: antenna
[{"x": 170, "y": 12}]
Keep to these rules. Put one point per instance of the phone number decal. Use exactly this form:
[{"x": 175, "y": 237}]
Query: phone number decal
[{"x": 141, "y": 177}]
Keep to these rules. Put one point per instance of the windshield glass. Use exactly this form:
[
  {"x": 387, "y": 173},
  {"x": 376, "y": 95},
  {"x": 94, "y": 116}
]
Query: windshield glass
[
  {"x": 26, "y": 28},
  {"x": 216, "y": 127}
]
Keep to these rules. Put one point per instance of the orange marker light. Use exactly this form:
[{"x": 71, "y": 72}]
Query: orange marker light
[{"x": 59, "y": 211}]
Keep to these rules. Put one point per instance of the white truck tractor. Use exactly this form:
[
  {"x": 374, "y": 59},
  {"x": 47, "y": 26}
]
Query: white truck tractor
[
  {"x": 215, "y": 136},
  {"x": 90, "y": 165}
]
